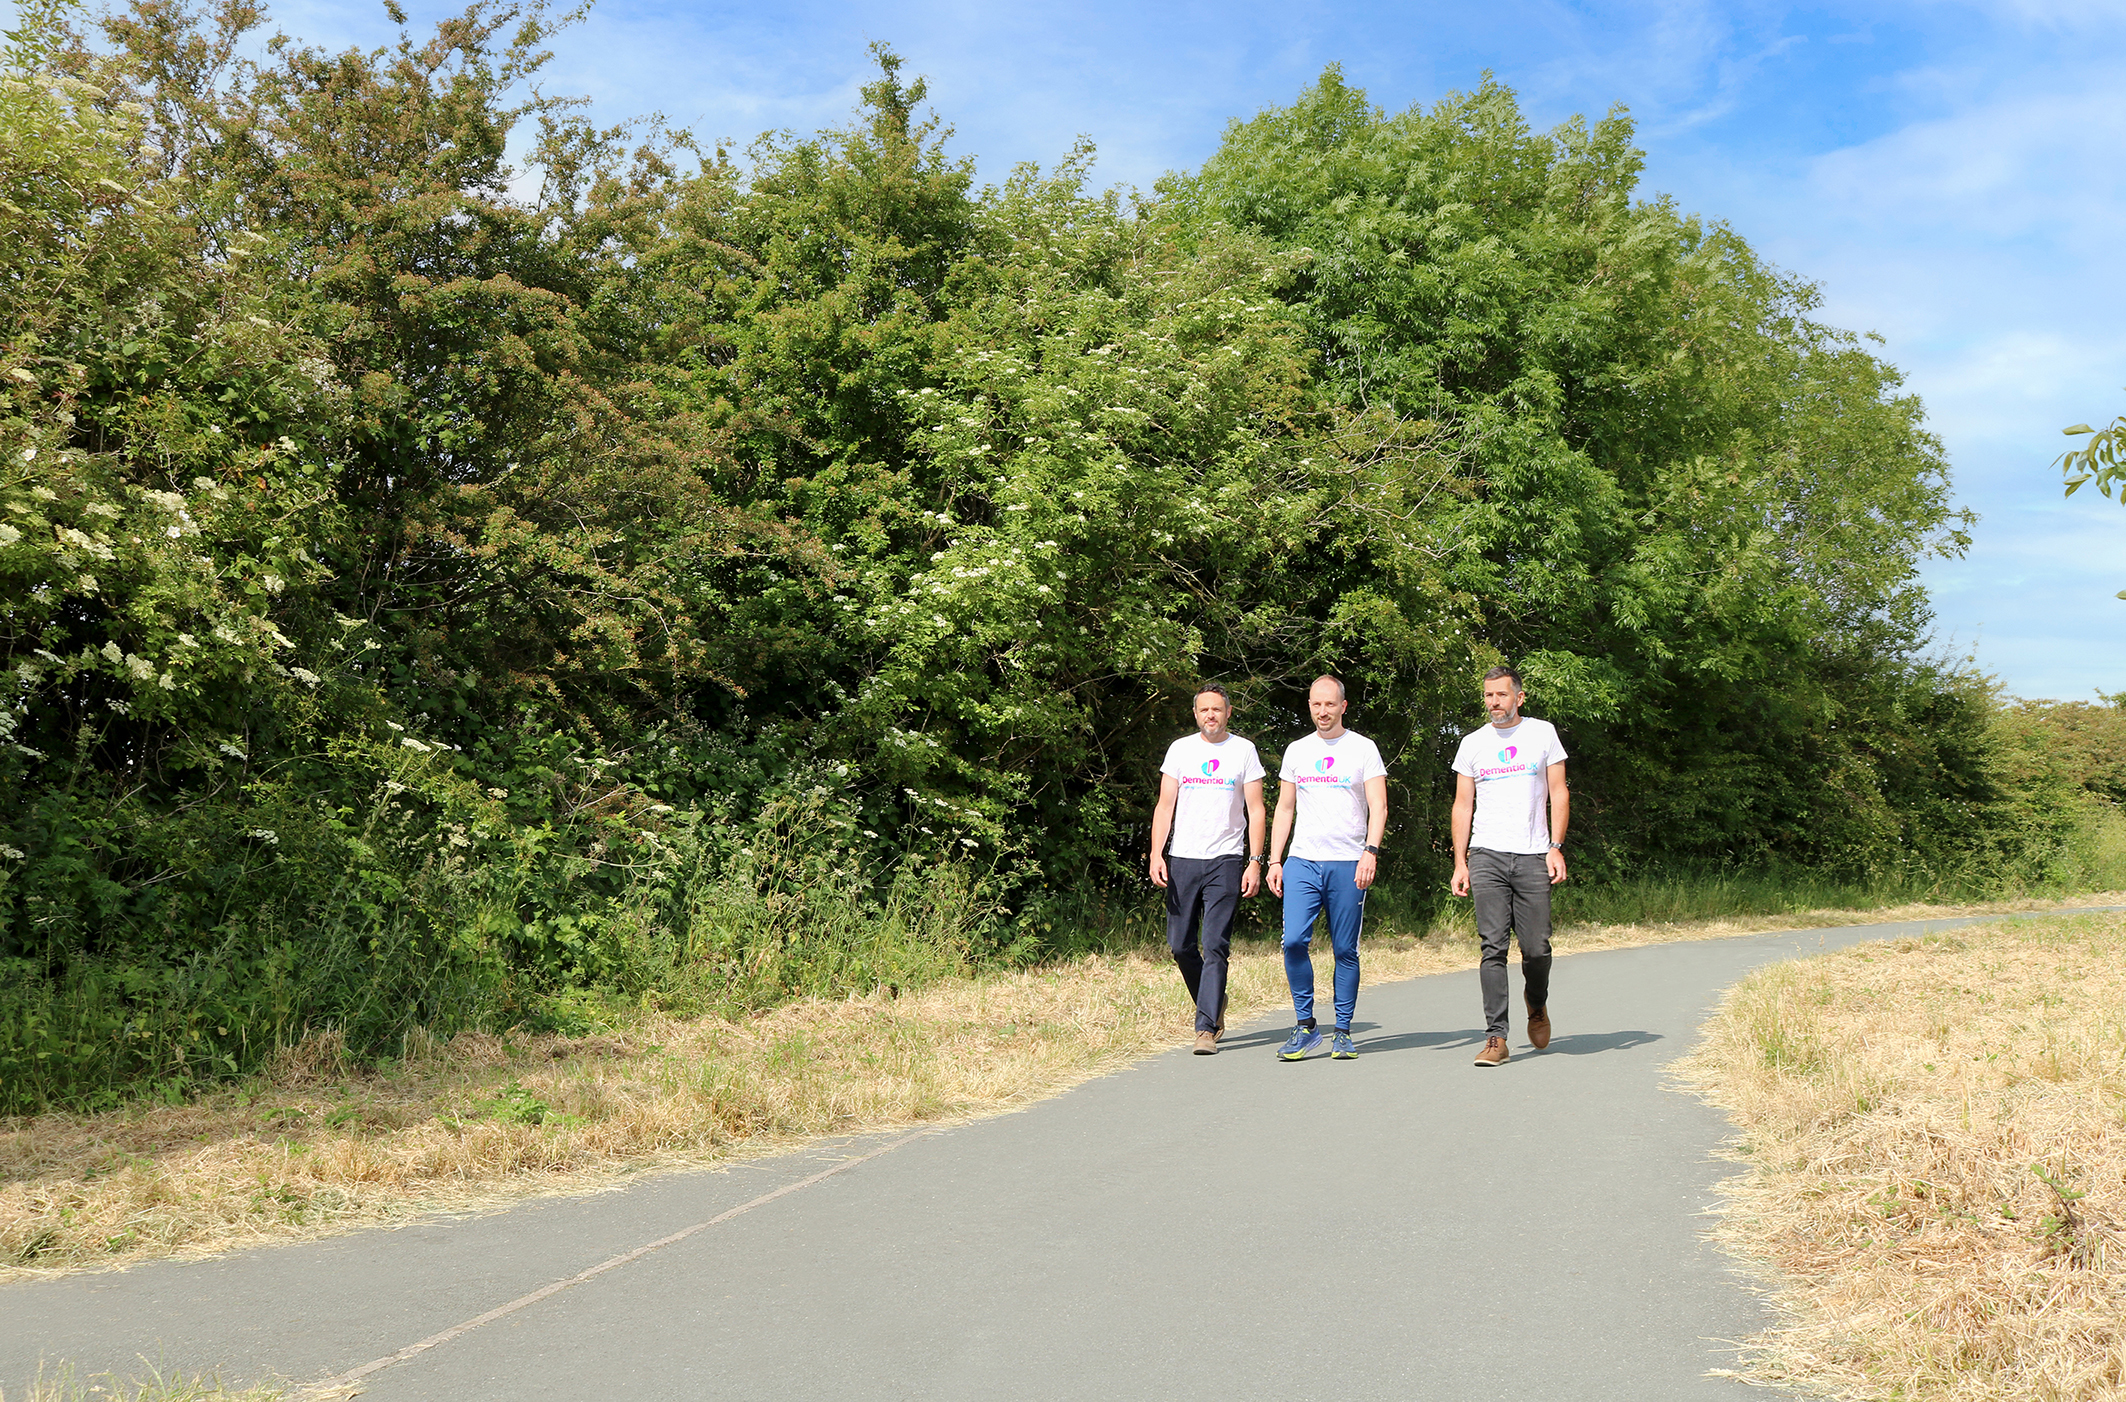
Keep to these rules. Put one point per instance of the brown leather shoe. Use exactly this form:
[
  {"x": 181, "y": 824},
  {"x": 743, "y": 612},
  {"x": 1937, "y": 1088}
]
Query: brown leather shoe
[
  {"x": 1538, "y": 1026},
  {"x": 1494, "y": 1052},
  {"x": 1206, "y": 1044}
]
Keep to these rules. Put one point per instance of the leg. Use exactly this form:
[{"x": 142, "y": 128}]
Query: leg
[
  {"x": 1184, "y": 891},
  {"x": 1302, "y": 902},
  {"x": 1531, "y": 926},
  {"x": 1346, "y": 906},
  {"x": 1221, "y": 901},
  {"x": 1489, "y": 885}
]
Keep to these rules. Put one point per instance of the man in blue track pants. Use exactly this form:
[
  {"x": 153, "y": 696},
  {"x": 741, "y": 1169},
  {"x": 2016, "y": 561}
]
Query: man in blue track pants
[{"x": 1333, "y": 805}]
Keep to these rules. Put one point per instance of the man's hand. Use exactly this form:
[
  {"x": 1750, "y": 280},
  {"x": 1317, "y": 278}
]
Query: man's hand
[
  {"x": 1277, "y": 879},
  {"x": 1251, "y": 881},
  {"x": 1555, "y": 862},
  {"x": 1159, "y": 870},
  {"x": 1460, "y": 884},
  {"x": 1368, "y": 865}
]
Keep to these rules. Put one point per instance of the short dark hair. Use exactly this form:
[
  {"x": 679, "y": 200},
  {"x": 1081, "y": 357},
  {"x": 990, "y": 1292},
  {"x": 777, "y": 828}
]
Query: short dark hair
[
  {"x": 1502, "y": 671},
  {"x": 1212, "y": 687}
]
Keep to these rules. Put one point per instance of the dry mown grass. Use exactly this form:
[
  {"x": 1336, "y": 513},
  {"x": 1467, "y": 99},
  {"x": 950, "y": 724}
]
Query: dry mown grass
[
  {"x": 317, "y": 1147},
  {"x": 63, "y": 1386},
  {"x": 1937, "y": 1134}
]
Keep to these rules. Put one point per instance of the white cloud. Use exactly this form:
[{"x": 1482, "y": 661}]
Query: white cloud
[{"x": 2045, "y": 162}]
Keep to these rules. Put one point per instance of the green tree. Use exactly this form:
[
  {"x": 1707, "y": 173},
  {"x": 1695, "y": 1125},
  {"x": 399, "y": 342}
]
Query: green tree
[{"x": 1690, "y": 511}]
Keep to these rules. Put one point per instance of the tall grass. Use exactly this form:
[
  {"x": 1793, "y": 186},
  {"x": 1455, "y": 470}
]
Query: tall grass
[
  {"x": 383, "y": 934},
  {"x": 384, "y": 931}
]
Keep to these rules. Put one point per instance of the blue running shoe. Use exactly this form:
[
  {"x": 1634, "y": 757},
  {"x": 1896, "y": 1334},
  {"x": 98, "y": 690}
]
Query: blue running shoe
[
  {"x": 1340, "y": 1045},
  {"x": 1304, "y": 1040}
]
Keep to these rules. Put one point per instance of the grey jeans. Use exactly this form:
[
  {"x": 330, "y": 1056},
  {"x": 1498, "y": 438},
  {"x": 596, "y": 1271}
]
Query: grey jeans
[{"x": 1512, "y": 893}]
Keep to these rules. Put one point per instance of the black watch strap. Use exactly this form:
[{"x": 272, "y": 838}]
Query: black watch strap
[{"x": 1374, "y": 850}]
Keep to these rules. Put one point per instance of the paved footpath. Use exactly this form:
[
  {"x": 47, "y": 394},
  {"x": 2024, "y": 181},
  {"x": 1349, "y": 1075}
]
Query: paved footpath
[{"x": 1400, "y": 1227}]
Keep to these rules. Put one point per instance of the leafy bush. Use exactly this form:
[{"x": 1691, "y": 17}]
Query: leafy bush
[{"x": 428, "y": 605}]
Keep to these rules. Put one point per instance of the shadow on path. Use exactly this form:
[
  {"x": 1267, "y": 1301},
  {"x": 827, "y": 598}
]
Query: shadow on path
[
  {"x": 1578, "y": 1044},
  {"x": 1588, "y": 1043}
]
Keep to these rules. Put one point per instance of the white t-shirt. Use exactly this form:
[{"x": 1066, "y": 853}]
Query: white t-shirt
[
  {"x": 1210, "y": 813},
  {"x": 1330, "y": 822},
  {"x": 1511, "y": 769}
]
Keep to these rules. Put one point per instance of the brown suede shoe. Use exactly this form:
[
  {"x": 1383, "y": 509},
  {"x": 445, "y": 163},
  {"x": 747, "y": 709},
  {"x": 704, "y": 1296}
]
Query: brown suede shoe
[
  {"x": 1538, "y": 1026},
  {"x": 1206, "y": 1044},
  {"x": 1494, "y": 1052}
]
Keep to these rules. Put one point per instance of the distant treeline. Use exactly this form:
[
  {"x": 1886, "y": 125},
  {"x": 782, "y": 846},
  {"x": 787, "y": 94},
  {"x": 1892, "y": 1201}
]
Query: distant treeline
[{"x": 438, "y": 591}]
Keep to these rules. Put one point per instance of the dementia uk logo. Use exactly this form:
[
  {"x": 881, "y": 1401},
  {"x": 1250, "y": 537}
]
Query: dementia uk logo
[
  {"x": 1510, "y": 763},
  {"x": 1324, "y": 772},
  {"x": 1210, "y": 776}
]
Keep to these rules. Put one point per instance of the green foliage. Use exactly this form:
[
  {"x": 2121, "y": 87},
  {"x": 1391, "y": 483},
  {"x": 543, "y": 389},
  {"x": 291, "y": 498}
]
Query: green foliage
[
  {"x": 1689, "y": 512},
  {"x": 705, "y": 582},
  {"x": 2101, "y": 460}
]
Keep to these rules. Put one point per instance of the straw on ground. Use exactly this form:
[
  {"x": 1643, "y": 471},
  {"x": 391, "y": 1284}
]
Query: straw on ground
[
  {"x": 317, "y": 1146},
  {"x": 1937, "y": 1181}
]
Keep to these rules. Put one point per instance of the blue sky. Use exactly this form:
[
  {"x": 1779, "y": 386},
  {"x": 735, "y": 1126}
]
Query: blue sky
[{"x": 1952, "y": 174}]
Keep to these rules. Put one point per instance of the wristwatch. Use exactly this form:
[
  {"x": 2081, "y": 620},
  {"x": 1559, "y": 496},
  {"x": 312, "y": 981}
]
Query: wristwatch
[
  {"x": 1374, "y": 850},
  {"x": 1557, "y": 846},
  {"x": 1258, "y": 857}
]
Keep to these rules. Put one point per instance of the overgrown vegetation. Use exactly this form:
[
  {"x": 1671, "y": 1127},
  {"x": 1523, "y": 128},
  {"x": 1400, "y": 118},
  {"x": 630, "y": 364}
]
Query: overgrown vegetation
[
  {"x": 443, "y": 591},
  {"x": 1933, "y": 1139}
]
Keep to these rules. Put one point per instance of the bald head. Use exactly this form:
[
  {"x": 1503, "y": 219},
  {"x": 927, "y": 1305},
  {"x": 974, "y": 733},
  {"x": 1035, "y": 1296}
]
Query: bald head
[{"x": 1325, "y": 703}]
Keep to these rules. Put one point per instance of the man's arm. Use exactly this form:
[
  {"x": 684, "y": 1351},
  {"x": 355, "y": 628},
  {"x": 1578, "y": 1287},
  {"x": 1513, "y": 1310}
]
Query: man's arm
[
  {"x": 1251, "y": 875},
  {"x": 1376, "y": 829},
  {"x": 1560, "y": 815},
  {"x": 1163, "y": 825},
  {"x": 1464, "y": 810},
  {"x": 1281, "y": 832}
]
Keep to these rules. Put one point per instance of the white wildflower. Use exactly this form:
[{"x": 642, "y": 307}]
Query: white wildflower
[
  {"x": 267, "y": 836},
  {"x": 230, "y": 750}
]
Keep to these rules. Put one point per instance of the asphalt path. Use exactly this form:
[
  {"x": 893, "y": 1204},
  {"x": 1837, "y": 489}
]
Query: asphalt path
[{"x": 1404, "y": 1226}]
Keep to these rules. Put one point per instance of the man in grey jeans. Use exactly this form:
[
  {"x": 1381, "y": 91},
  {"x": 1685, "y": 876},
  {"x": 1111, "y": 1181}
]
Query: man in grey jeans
[{"x": 1510, "y": 810}]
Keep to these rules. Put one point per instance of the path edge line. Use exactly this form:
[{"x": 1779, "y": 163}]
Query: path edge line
[{"x": 348, "y": 1379}]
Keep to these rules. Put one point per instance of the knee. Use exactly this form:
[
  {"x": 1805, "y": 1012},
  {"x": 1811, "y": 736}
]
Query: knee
[{"x": 1301, "y": 943}]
